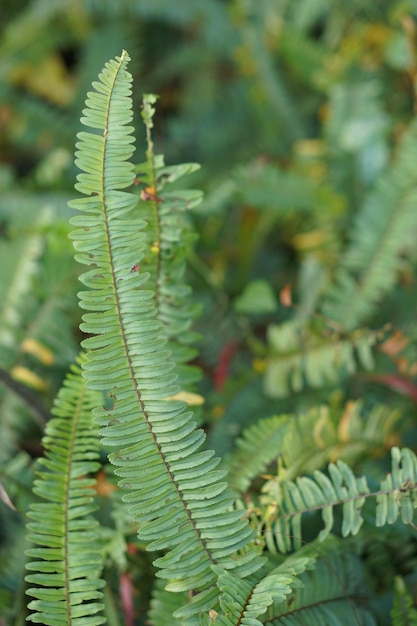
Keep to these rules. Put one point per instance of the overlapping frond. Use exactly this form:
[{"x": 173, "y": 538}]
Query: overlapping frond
[
  {"x": 383, "y": 235},
  {"x": 286, "y": 501},
  {"x": 67, "y": 560},
  {"x": 177, "y": 494}
]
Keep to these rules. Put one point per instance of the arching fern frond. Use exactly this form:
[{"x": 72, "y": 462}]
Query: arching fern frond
[
  {"x": 67, "y": 558},
  {"x": 383, "y": 235},
  {"x": 286, "y": 501},
  {"x": 177, "y": 495}
]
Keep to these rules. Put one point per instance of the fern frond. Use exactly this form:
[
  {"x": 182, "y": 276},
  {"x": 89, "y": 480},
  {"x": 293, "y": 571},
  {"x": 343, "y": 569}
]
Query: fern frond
[
  {"x": 243, "y": 602},
  {"x": 312, "y": 586},
  {"x": 67, "y": 559},
  {"x": 256, "y": 449},
  {"x": 178, "y": 497},
  {"x": 403, "y": 613},
  {"x": 383, "y": 236},
  {"x": 21, "y": 258},
  {"x": 299, "y": 355},
  {"x": 164, "y": 604},
  {"x": 247, "y": 399},
  {"x": 287, "y": 501},
  {"x": 308, "y": 441},
  {"x": 331, "y": 592},
  {"x": 168, "y": 239}
]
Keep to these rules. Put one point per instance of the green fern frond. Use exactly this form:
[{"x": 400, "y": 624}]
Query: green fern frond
[
  {"x": 168, "y": 239},
  {"x": 331, "y": 592},
  {"x": 312, "y": 586},
  {"x": 403, "y": 613},
  {"x": 164, "y": 604},
  {"x": 177, "y": 496},
  {"x": 286, "y": 501},
  {"x": 308, "y": 441},
  {"x": 299, "y": 355},
  {"x": 242, "y": 602},
  {"x": 20, "y": 256},
  {"x": 256, "y": 449},
  {"x": 67, "y": 558},
  {"x": 383, "y": 236},
  {"x": 246, "y": 400},
  {"x": 344, "y": 432}
]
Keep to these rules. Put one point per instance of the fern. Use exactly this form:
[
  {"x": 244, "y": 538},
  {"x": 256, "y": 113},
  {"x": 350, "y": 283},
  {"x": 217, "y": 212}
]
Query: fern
[
  {"x": 314, "y": 586},
  {"x": 331, "y": 593},
  {"x": 300, "y": 355},
  {"x": 244, "y": 602},
  {"x": 255, "y": 450},
  {"x": 168, "y": 237},
  {"x": 22, "y": 256},
  {"x": 382, "y": 238},
  {"x": 177, "y": 496},
  {"x": 403, "y": 613},
  {"x": 286, "y": 501},
  {"x": 308, "y": 441},
  {"x": 67, "y": 560},
  {"x": 164, "y": 604}
]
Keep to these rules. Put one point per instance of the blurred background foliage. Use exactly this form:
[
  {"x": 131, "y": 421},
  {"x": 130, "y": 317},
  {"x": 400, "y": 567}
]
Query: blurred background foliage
[{"x": 302, "y": 115}]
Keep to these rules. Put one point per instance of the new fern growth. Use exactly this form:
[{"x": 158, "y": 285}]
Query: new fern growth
[{"x": 131, "y": 232}]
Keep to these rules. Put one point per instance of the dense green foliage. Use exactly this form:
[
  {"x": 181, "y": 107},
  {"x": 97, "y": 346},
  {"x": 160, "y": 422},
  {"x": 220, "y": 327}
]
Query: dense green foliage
[{"x": 298, "y": 332}]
